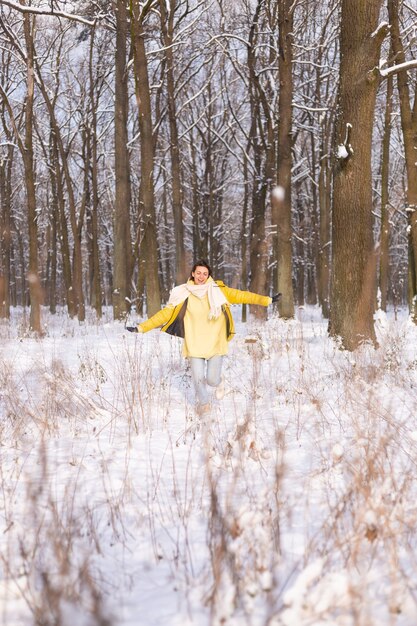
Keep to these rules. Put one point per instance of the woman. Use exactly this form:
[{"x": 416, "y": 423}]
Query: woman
[{"x": 199, "y": 312}]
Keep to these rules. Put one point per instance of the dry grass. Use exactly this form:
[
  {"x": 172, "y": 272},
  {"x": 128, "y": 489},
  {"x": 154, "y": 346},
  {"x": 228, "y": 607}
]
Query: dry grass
[{"x": 292, "y": 505}]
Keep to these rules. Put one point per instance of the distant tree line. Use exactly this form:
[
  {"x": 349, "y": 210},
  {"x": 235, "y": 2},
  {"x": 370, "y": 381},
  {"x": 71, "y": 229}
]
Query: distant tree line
[{"x": 275, "y": 138}]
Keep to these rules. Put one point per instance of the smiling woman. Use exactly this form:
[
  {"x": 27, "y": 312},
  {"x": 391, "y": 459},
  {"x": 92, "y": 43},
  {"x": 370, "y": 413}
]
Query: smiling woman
[{"x": 199, "y": 312}]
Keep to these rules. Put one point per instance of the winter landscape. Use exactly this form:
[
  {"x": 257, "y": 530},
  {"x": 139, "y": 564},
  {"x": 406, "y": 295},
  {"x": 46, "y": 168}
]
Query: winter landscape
[
  {"x": 274, "y": 142},
  {"x": 293, "y": 503}
]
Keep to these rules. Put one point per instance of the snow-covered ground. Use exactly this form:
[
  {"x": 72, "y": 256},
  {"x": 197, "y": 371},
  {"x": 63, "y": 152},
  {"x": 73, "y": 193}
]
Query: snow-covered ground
[{"x": 292, "y": 504}]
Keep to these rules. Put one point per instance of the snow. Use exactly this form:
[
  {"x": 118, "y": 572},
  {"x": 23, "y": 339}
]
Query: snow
[
  {"x": 381, "y": 27},
  {"x": 342, "y": 153},
  {"x": 278, "y": 193},
  {"x": 400, "y": 67},
  {"x": 292, "y": 503}
]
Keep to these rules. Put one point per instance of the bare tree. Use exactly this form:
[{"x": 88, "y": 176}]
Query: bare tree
[
  {"x": 148, "y": 261},
  {"x": 385, "y": 208},
  {"x": 281, "y": 210},
  {"x": 122, "y": 255},
  {"x": 25, "y": 144},
  {"x": 353, "y": 288},
  {"x": 409, "y": 130},
  {"x": 167, "y": 11}
]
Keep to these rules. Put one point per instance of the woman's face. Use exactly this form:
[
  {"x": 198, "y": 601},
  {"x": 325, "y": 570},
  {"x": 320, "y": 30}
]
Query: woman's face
[{"x": 200, "y": 275}]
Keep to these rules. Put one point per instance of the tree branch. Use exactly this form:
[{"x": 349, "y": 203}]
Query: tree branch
[
  {"x": 395, "y": 69},
  {"x": 34, "y": 10}
]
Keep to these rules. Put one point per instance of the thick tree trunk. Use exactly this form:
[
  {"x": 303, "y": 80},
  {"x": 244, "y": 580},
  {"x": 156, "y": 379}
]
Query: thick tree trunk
[
  {"x": 149, "y": 248},
  {"x": 353, "y": 287},
  {"x": 122, "y": 245}
]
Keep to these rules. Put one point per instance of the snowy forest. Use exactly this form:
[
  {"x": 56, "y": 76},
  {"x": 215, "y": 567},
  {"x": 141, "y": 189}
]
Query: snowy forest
[{"x": 276, "y": 139}]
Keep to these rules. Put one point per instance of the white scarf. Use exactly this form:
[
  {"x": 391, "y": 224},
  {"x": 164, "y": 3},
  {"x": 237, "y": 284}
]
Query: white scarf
[{"x": 210, "y": 288}]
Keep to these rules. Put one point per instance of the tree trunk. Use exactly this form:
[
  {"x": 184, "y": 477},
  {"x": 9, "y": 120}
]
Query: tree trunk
[
  {"x": 281, "y": 210},
  {"x": 245, "y": 233},
  {"x": 122, "y": 245},
  {"x": 52, "y": 251},
  {"x": 5, "y": 233},
  {"x": 96, "y": 295},
  {"x": 325, "y": 233},
  {"x": 149, "y": 248},
  {"x": 198, "y": 252},
  {"x": 353, "y": 287},
  {"x": 262, "y": 144},
  {"x": 409, "y": 130},
  {"x": 385, "y": 213},
  {"x": 35, "y": 290},
  {"x": 167, "y": 23},
  {"x": 57, "y": 186},
  {"x": 76, "y": 304}
]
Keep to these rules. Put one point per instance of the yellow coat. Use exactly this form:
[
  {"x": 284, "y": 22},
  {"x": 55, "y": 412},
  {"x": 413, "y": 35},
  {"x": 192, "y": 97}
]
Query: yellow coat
[{"x": 171, "y": 318}]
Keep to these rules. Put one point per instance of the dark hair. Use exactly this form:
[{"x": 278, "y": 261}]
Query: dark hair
[{"x": 200, "y": 263}]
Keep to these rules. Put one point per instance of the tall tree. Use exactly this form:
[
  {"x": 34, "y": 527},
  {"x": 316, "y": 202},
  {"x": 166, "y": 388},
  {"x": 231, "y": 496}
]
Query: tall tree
[
  {"x": 167, "y": 10},
  {"x": 385, "y": 210},
  {"x": 409, "y": 131},
  {"x": 122, "y": 245},
  {"x": 263, "y": 149},
  {"x": 92, "y": 201},
  {"x": 6, "y": 164},
  {"x": 281, "y": 209},
  {"x": 353, "y": 281},
  {"x": 25, "y": 144},
  {"x": 149, "y": 245}
]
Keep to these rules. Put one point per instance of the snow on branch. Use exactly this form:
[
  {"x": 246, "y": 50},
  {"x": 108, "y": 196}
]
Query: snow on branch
[
  {"x": 345, "y": 150},
  {"x": 395, "y": 69},
  {"x": 381, "y": 30},
  {"x": 35, "y": 10}
]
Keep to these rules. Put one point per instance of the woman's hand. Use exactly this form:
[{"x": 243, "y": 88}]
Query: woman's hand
[
  {"x": 132, "y": 329},
  {"x": 276, "y": 298}
]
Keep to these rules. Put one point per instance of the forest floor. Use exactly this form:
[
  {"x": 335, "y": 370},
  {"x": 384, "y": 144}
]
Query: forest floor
[{"x": 293, "y": 503}]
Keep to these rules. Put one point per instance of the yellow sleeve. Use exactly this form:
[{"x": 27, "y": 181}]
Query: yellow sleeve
[
  {"x": 159, "y": 319},
  {"x": 236, "y": 296}
]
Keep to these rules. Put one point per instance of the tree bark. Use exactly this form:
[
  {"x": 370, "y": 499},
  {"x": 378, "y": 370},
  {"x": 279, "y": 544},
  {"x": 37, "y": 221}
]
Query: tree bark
[
  {"x": 324, "y": 236},
  {"x": 409, "y": 130},
  {"x": 35, "y": 290},
  {"x": 353, "y": 285},
  {"x": 76, "y": 304},
  {"x": 122, "y": 245},
  {"x": 385, "y": 213},
  {"x": 5, "y": 232},
  {"x": 167, "y": 24},
  {"x": 96, "y": 295},
  {"x": 57, "y": 185},
  {"x": 263, "y": 148},
  {"x": 281, "y": 210},
  {"x": 149, "y": 247}
]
